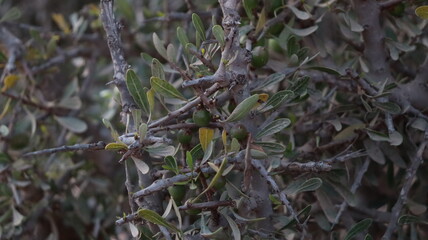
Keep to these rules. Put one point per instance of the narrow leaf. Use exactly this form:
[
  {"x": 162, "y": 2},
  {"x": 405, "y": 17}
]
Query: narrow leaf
[
  {"x": 273, "y": 127},
  {"x": 270, "y": 80},
  {"x": 165, "y": 89},
  {"x": 302, "y": 15},
  {"x": 388, "y": 107},
  {"x": 377, "y": 136},
  {"x": 205, "y": 136},
  {"x": 189, "y": 160},
  {"x": 243, "y": 108},
  {"x": 171, "y": 53},
  {"x": 137, "y": 91},
  {"x": 218, "y": 34},
  {"x": 182, "y": 36},
  {"x": 235, "y": 229},
  {"x": 359, "y": 227},
  {"x": 157, "y": 69},
  {"x": 115, "y": 146},
  {"x": 155, "y": 218},
  {"x": 199, "y": 26},
  {"x": 309, "y": 185},
  {"x": 325, "y": 69},
  {"x": 159, "y": 46},
  {"x": 303, "y": 32}
]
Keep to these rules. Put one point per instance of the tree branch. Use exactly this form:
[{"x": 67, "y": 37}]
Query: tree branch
[
  {"x": 91, "y": 146},
  {"x": 117, "y": 54},
  {"x": 402, "y": 199}
]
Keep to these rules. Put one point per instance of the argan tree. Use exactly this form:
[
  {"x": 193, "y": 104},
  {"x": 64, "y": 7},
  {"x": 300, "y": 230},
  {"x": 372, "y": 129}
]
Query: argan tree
[{"x": 250, "y": 119}]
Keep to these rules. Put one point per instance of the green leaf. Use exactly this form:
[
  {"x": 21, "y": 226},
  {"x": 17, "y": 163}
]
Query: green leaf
[
  {"x": 271, "y": 147},
  {"x": 11, "y": 15},
  {"x": 243, "y": 108},
  {"x": 116, "y": 146},
  {"x": 218, "y": 34},
  {"x": 142, "y": 130},
  {"x": 165, "y": 89},
  {"x": 159, "y": 46},
  {"x": 197, "y": 152},
  {"x": 171, "y": 53},
  {"x": 171, "y": 162},
  {"x": 155, "y": 218},
  {"x": 309, "y": 185},
  {"x": 292, "y": 46},
  {"x": 326, "y": 205},
  {"x": 388, "y": 107},
  {"x": 300, "y": 87},
  {"x": 199, "y": 26},
  {"x": 182, "y": 36},
  {"x": 71, "y": 123},
  {"x": 189, "y": 160},
  {"x": 157, "y": 69},
  {"x": 235, "y": 229},
  {"x": 277, "y": 99},
  {"x": 422, "y": 12},
  {"x": 368, "y": 237},
  {"x": 137, "y": 91},
  {"x": 395, "y": 138},
  {"x": 206, "y": 135},
  {"x": 408, "y": 219},
  {"x": 303, "y": 32},
  {"x": 325, "y": 69},
  {"x": 273, "y": 127},
  {"x": 377, "y": 136},
  {"x": 271, "y": 79},
  {"x": 359, "y": 227},
  {"x": 71, "y": 103},
  {"x": 348, "y": 132},
  {"x": 302, "y": 15},
  {"x": 374, "y": 152}
]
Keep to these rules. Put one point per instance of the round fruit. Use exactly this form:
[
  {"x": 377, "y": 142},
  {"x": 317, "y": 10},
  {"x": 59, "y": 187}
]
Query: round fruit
[
  {"x": 239, "y": 132},
  {"x": 177, "y": 192},
  {"x": 201, "y": 118},
  {"x": 184, "y": 137},
  {"x": 260, "y": 57}
]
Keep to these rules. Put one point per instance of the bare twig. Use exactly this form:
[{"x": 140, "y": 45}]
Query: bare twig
[
  {"x": 117, "y": 54},
  {"x": 91, "y": 146},
  {"x": 206, "y": 205},
  {"x": 205, "y": 61},
  {"x": 402, "y": 199},
  {"x": 129, "y": 189}
]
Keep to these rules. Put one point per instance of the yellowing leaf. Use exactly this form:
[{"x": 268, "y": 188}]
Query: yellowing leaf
[
  {"x": 422, "y": 12},
  {"x": 224, "y": 138},
  {"x": 115, "y": 146},
  {"x": 9, "y": 82},
  {"x": 60, "y": 21},
  {"x": 205, "y": 136},
  {"x": 263, "y": 97}
]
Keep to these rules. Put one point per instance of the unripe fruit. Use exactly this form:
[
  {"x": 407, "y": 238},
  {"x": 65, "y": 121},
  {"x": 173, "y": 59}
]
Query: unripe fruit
[
  {"x": 177, "y": 192},
  {"x": 184, "y": 137},
  {"x": 201, "y": 118},
  {"x": 260, "y": 57},
  {"x": 239, "y": 132}
]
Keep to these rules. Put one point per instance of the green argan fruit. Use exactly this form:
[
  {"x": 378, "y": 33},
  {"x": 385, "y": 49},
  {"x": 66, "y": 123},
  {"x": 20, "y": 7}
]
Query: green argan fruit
[
  {"x": 260, "y": 57},
  {"x": 201, "y": 118},
  {"x": 184, "y": 137},
  {"x": 239, "y": 132},
  {"x": 177, "y": 192}
]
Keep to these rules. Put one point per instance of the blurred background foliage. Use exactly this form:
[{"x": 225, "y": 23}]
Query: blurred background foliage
[{"x": 58, "y": 95}]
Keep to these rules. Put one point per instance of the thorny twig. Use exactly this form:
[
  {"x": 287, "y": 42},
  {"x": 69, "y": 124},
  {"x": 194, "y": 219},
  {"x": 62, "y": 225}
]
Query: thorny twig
[{"x": 90, "y": 146}]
